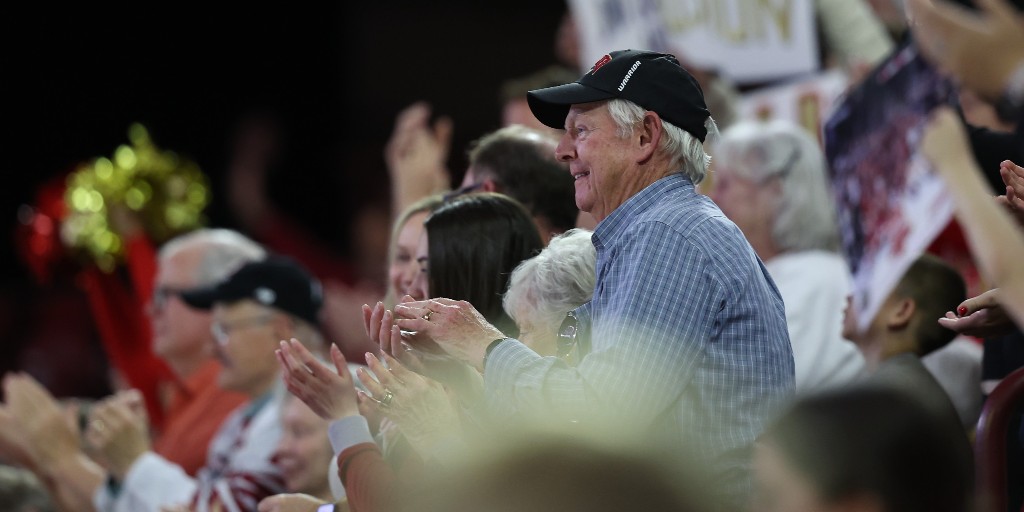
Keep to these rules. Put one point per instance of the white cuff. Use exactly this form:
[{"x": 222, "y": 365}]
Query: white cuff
[{"x": 348, "y": 431}]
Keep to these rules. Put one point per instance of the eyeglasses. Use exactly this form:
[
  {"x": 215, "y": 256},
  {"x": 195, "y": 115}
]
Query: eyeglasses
[
  {"x": 464, "y": 190},
  {"x": 567, "y": 336},
  {"x": 222, "y": 330},
  {"x": 162, "y": 293}
]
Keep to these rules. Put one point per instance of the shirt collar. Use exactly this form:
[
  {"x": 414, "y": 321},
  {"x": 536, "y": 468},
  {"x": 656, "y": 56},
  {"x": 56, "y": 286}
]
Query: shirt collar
[
  {"x": 612, "y": 227},
  {"x": 276, "y": 394}
]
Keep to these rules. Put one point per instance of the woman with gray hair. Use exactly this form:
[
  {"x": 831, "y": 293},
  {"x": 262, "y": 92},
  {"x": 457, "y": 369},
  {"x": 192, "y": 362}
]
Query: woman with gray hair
[
  {"x": 770, "y": 180},
  {"x": 545, "y": 287}
]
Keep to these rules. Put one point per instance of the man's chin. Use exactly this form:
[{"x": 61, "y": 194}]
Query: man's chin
[{"x": 584, "y": 203}]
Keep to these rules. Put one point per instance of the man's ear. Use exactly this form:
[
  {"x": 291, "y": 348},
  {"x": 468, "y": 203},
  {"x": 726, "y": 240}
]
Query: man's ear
[
  {"x": 650, "y": 133},
  {"x": 902, "y": 314},
  {"x": 489, "y": 185}
]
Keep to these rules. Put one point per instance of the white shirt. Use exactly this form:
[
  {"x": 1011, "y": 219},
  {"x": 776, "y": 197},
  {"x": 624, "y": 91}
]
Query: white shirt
[
  {"x": 814, "y": 286},
  {"x": 238, "y": 472}
]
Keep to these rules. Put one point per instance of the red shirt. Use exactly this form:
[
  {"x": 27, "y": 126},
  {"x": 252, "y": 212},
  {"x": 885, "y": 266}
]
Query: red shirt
[{"x": 195, "y": 412}]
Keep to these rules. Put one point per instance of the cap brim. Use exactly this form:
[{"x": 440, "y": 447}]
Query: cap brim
[
  {"x": 551, "y": 105},
  {"x": 203, "y": 298}
]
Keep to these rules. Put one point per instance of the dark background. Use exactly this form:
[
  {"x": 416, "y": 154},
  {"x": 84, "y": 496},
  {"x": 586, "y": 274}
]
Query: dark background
[
  {"x": 76, "y": 76},
  {"x": 338, "y": 73}
]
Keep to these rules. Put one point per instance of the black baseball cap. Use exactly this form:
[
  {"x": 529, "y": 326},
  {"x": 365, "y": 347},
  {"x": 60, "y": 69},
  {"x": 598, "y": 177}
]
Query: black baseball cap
[
  {"x": 278, "y": 282},
  {"x": 655, "y": 81}
]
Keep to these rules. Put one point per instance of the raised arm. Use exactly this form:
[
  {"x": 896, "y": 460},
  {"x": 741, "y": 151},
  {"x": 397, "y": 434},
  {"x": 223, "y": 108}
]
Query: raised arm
[{"x": 996, "y": 242}]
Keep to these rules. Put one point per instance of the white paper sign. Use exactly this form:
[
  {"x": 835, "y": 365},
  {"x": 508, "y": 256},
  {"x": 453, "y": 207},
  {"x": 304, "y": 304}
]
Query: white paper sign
[
  {"x": 745, "y": 40},
  {"x": 806, "y": 102}
]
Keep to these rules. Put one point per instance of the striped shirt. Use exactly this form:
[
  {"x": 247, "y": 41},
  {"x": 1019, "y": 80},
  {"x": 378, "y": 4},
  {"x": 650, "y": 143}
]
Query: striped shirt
[{"x": 688, "y": 341}]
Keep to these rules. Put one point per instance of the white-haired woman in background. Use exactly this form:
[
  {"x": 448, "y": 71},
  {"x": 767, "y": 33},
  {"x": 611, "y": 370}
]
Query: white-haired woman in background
[
  {"x": 543, "y": 289},
  {"x": 770, "y": 180}
]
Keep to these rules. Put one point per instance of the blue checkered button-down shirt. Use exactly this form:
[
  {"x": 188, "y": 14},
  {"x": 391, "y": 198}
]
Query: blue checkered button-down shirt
[{"x": 688, "y": 335}]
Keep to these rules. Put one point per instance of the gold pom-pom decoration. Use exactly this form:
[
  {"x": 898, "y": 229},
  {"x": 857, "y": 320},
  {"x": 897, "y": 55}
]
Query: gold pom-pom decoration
[{"x": 164, "y": 192}]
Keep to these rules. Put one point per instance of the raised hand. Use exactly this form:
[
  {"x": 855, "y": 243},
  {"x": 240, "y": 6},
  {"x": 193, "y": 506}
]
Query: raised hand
[
  {"x": 416, "y": 155},
  {"x": 421, "y": 407},
  {"x": 118, "y": 431},
  {"x": 330, "y": 393},
  {"x": 13, "y": 449},
  {"x": 1013, "y": 177},
  {"x": 454, "y": 325},
  {"x": 980, "y": 48},
  {"x": 50, "y": 435},
  {"x": 980, "y": 316}
]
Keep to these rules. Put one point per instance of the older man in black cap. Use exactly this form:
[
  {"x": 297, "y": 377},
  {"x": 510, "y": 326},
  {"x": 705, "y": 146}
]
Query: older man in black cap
[
  {"x": 255, "y": 308},
  {"x": 685, "y": 340}
]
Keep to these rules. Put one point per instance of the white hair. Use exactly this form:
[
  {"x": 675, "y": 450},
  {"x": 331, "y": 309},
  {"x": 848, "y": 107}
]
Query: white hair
[
  {"x": 686, "y": 151},
  {"x": 557, "y": 280},
  {"x": 224, "y": 252},
  {"x": 805, "y": 218}
]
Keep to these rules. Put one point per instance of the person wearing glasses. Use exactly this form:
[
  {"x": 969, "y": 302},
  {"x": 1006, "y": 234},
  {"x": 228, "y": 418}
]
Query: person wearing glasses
[
  {"x": 688, "y": 345},
  {"x": 181, "y": 337},
  {"x": 770, "y": 180},
  {"x": 519, "y": 162},
  {"x": 546, "y": 288},
  {"x": 260, "y": 304}
]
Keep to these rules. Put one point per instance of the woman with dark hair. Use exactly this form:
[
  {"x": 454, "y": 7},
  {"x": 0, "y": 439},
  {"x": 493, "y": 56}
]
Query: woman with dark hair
[
  {"x": 866, "y": 449},
  {"x": 468, "y": 250},
  {"x": 470, "y": 247}
]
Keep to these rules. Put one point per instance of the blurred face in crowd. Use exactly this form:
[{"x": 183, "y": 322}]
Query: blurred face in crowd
[
  {"x": 304, "y": 452},
  {"x": 779, "y": 487},
  {"x": 599, "y": 160},
  {"x": 404, "y": 267},
  {"x": 179, "y": 331},
  {"x": 247, "y": 335},
  {"x": 419, "y": 289},
  {"x": 748, "y": 203}
]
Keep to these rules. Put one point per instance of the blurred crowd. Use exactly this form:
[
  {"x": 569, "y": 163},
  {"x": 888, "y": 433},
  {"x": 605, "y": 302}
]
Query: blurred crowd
[{"x": 636, "y": 298}]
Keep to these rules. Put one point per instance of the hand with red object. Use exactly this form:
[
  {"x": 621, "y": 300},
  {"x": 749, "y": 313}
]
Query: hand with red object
[{"x": 980, "y": 316}]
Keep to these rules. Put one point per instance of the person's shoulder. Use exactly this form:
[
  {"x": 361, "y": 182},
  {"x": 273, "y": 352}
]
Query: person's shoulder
[{"x": 684, "y": 211}]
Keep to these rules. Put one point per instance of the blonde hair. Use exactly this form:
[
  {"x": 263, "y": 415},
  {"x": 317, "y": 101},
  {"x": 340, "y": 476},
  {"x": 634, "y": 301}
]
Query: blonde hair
[{"x": 424, "y": 205}]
